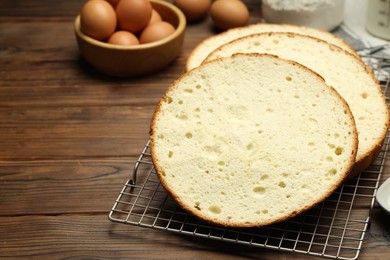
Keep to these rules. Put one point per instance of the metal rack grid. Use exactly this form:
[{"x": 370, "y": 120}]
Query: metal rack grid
[{"x": 333, "y": 229}]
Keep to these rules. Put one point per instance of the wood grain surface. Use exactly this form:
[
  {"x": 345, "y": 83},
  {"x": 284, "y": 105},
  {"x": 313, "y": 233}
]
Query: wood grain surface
[{"x": 70, "y": 136}]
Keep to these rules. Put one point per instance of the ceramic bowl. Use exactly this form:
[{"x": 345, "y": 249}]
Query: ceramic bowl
[
  {"x": 139, "y": 60},
  {"x": 383, "y": 196}
]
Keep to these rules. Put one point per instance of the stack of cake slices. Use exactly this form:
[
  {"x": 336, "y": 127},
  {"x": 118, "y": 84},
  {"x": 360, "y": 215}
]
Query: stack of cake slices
[{"x": 266, "y": 124}]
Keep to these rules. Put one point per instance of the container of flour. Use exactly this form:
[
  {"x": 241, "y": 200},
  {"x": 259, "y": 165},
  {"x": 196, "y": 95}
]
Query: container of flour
[{"x": 321, "y": 14}]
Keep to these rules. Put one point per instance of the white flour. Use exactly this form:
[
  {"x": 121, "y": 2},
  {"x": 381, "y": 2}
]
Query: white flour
[
  {"x": 298, "y": 5},
  {"x": 322, "y": 14}
]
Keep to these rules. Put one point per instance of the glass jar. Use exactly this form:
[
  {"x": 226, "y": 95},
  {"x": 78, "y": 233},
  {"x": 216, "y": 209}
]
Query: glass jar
[{"x": 378, "y": 18}]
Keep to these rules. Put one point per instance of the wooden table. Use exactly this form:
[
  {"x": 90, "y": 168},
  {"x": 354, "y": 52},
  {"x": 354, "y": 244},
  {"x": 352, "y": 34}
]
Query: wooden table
[{"x": 69, "y": 137}]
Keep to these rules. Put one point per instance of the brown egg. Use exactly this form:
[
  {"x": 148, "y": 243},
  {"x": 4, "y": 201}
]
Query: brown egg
[
  {"x": 193, "y": 9},
  {"x": 123, "y": 38},
  {"x": 113, "y": 2},
  {"x": 156, "y": 17},
  {"x": 98, "y": 19},
  {"x": 228, "y": 14},
  {"x": 133, "y": 15},
  {"x": 156, "y": 31}
]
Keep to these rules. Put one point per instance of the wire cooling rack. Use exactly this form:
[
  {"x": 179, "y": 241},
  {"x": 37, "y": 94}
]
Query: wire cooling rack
[{"x": 333, "y": 229}]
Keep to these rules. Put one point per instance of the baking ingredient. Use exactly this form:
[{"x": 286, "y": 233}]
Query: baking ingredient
[
  {"x": 133, "y": 15},
  {"x": 321, "y": 14},
  {"x": 156, "y": 17},
  {"x": 228, "y": 14},
  {"x": 193, "y": 9},
  {"x": 123, "y": 38},
  {"x": 156, "y": 31},
  {"x": 97, "y": 19},
  {"x": 306, "y": 5}
]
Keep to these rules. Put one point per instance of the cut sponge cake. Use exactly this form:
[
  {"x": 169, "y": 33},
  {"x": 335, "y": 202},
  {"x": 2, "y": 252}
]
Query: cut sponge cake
[
  {"x": 200, "y": 52},
  {"x": 343, "y": 71},
  {"x": 251, "y": 140}
]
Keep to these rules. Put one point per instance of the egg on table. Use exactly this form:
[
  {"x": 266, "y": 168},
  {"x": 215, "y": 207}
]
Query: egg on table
[
  {"x": 228, "y": 14},
  {"x": 193, "y": 9}
]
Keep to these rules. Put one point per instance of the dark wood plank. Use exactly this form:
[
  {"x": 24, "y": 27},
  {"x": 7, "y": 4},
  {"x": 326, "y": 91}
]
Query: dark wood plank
[
  {"x": 22, "y": 11},
  {"x": 73, "y": 132},
  {"x": 38, "y": 69},
  {"x": 81, "y": 236},
  {"x": 62, "y": 187}
]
